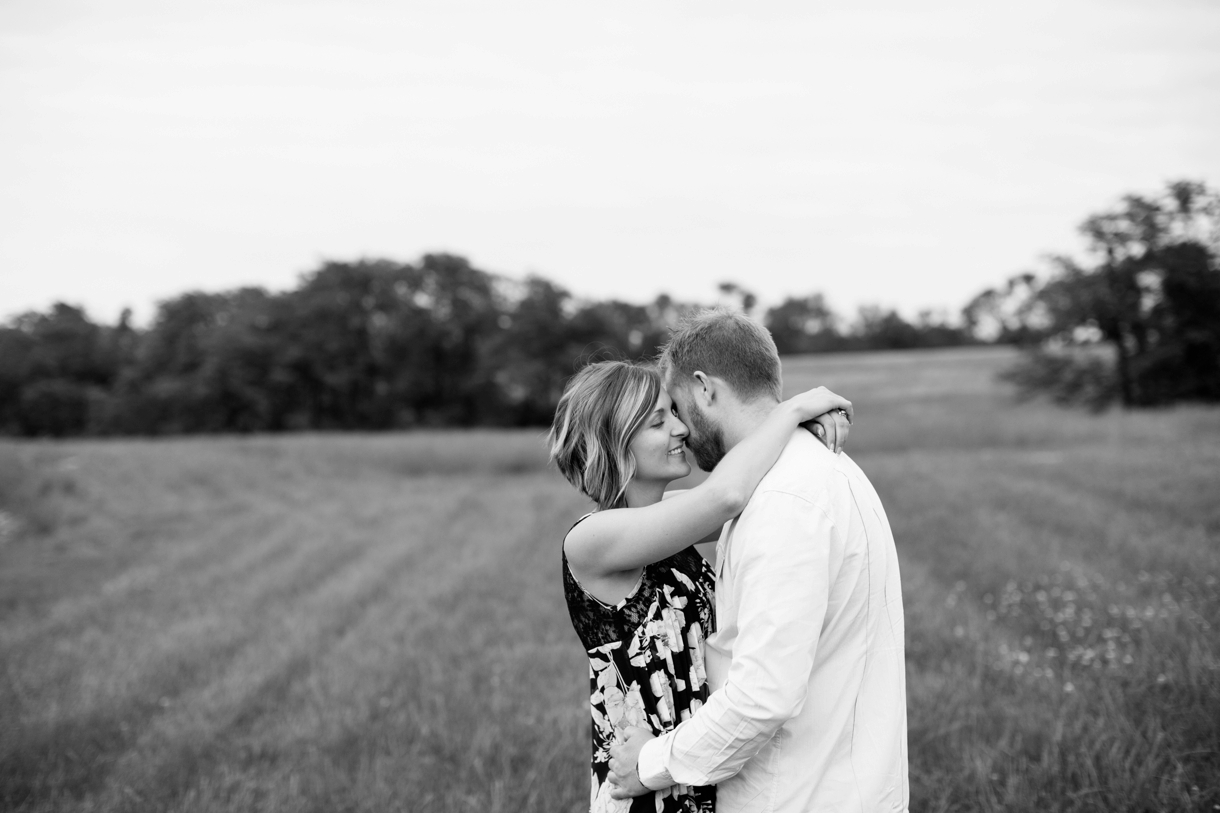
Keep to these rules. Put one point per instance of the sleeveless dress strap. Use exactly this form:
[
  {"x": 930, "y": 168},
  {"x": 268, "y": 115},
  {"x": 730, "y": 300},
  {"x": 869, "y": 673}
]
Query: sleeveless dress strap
[{"x": 577, "y": 522}]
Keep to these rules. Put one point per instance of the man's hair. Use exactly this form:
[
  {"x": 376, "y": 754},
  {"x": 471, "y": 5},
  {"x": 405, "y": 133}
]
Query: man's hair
[
  {"x": 728, "y": 345},
  {"x": 601, "y": 409}
]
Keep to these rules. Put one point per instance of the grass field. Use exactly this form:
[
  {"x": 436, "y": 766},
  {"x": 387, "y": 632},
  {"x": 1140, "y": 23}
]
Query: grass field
[{"x": 376, "y": 622}]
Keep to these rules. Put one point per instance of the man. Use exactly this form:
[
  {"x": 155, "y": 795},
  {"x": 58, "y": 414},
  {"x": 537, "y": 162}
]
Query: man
[{"x": 808, "y": 703}]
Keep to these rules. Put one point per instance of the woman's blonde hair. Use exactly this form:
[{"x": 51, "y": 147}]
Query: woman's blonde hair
[{"x": 601, "y": 409}]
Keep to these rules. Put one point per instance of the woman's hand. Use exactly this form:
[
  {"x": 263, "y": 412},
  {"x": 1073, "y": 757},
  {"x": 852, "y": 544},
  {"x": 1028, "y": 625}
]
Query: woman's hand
[
  {"x": 825, "y": 414},
  {"x": 817, "y": 401},
  {"x": 831, "y": 428},
  {"x": 624, "y": 763}
]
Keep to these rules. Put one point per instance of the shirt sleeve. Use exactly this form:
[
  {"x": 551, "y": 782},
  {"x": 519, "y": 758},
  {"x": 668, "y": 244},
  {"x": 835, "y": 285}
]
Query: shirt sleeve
[{"x": 780, "y": 578}]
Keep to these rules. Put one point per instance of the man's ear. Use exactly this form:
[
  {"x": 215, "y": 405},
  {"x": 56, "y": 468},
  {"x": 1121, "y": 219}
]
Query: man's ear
[{"x": 704, "y": 389}]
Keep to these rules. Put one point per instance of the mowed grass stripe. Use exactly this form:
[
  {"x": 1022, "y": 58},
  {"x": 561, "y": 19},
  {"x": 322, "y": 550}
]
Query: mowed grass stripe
[
  {"x": 161, "y": 660},
  {"x": 955, "y": 506},
  {"x": 386, "y": 702},
  {"x": 86, "y": 690},
  {"x": 291, "y": 633}
]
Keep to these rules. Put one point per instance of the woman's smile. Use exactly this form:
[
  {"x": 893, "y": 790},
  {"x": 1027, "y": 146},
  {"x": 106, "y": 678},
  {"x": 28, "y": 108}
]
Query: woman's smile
[{"x": 659, "y": 447}]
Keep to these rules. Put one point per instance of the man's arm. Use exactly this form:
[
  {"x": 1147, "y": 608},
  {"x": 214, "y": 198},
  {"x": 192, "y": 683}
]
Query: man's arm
[{"x": 781, "y": 580}]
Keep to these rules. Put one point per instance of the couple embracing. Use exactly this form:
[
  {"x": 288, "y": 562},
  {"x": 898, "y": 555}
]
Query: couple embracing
[{"x": 768, "y": 676}]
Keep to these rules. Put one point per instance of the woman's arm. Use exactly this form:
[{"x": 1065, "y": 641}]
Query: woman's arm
[
  {"x": 710, "y": 536},
  {"x": 620, "y": 539},
  {"x": 830, "y": 427}
]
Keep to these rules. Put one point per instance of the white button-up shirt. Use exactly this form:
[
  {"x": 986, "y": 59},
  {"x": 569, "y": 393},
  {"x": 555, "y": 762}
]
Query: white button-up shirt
[{"x": 806, "y": 667}]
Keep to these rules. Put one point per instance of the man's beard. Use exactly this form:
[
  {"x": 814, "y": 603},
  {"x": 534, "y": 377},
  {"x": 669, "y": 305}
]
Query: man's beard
[{"x": 706, "y": 440}]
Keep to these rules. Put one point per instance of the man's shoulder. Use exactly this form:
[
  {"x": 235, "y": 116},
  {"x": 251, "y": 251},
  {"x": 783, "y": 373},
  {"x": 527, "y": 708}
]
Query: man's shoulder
[
  {"x": 804, "y": 468},
  {"x": 794, "y": 491}
]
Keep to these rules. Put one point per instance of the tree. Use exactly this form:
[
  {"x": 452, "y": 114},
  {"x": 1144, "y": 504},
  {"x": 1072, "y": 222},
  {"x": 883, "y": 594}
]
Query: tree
[
  {"x": 55, "y": 366},
  {"x": 377, "y": 344},
  {"x": 464, "y": 310},
  {"x": 65, "y": 344},
  {"x": 743, "y": 299},
  {"x": 1152, "y": 293},
  {"x": 1186, "y": 321},
  {"x": 337, "y": 333},
  {"x": 880, "y": 329},
  {"x": 16, "y": 347},
  {"x": 535, "y": 352},
  {"x": 1009, "y": 314},
  {"x": 188, "y": 372},
  {"x": 804, "y": 325}
]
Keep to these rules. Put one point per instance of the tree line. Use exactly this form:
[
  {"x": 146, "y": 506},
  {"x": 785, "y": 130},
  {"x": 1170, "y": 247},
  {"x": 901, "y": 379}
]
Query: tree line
[
  {"x": 379, "y": 344},
  {"x": 372, "y": 344}
]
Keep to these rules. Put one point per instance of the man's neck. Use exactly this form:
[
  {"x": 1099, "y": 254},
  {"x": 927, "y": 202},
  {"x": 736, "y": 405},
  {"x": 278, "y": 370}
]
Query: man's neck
[{"x": 745, "y": 419}]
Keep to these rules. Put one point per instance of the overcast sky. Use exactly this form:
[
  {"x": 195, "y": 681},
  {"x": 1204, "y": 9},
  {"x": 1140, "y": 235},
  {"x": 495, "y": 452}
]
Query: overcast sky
[{"x": 901, "y": 153}]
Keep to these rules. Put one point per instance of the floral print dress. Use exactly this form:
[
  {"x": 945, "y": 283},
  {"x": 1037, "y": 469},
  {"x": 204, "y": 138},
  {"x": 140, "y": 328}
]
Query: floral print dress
[{"x": 646, "y": 667}]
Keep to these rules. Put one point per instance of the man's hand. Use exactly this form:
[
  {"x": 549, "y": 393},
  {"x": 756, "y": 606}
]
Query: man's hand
[
  {"x": 624, "y": 756},
  {"x": 831, "y": 428}
]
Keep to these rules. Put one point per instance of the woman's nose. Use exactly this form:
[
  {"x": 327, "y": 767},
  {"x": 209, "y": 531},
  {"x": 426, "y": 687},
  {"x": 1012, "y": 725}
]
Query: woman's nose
[{"x": 680, "y": 430}]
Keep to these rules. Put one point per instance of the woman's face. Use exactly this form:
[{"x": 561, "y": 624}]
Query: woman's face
[{"x": 659, "y": 445}]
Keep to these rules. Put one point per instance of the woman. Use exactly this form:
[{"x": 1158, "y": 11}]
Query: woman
[{"x": 639, "y": 595}]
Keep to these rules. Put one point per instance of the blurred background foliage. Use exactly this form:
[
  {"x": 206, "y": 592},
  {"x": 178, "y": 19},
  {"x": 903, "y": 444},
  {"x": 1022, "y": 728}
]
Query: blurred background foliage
[{"x": 378, "y": 344}]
